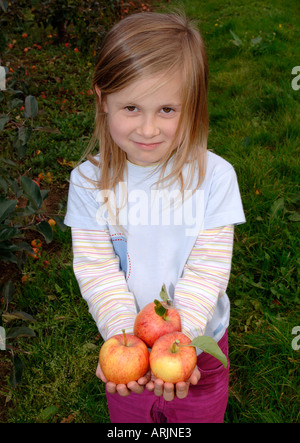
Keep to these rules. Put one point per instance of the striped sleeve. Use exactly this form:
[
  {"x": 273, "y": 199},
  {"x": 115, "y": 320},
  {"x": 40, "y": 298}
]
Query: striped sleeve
[
  {"x": 205, "y": 278},
  {"x": 101, "y": 282}
]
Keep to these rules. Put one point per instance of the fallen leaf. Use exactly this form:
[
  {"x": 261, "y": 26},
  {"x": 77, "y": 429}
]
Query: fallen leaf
[{"x": 69, "y": 419}]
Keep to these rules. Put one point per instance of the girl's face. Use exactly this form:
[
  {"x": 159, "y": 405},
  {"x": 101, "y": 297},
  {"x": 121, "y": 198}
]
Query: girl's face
[{"x": 143, "y": 118}]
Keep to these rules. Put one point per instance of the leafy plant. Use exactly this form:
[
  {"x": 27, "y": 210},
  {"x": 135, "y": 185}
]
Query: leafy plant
[
  {"x": 11, "y": 17},
  {"x": 255, "y": 45},
  {"x": 15, "y": 100},
  {"x": 13, "y": 333},
  {"x": 21, "y": 199},
  {"x": 84, "y": 22},
  {"x": 15, "y": 220}
]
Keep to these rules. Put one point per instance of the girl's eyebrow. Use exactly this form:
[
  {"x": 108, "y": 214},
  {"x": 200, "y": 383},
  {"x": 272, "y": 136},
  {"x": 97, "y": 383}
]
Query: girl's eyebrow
[{"x": 164, "y": 105}]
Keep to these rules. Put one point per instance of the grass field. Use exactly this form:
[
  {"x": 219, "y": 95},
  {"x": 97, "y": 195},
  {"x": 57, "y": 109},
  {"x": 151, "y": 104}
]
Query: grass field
[{"x": 254, "y": 123}]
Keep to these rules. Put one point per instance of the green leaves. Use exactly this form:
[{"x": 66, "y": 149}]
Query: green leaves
[
  {"x": 17, "y": 371},
  {"x": 163, "y": 294},
  {"x": 45, "y": 229},
  {"x": 24, "y": 133},
  {"x": 19, "y": 331},
  {"x": 17, "y": 315},
  {"x": 47, "y": 413},
  {"x": 32, "y": 192},
  {"x": 4, "y": 5},
  {"x": 161, "y": 309},
  {"x": 15, "y": 332},
  {"x": 236, "y": 40},
  {"x": 8, "y": 291},
  {"x": 60, "y": 222},
  {"x": 31, "y": 107},
  {"x": 6, "y": 232},
  {"x": 36, "y": 198},
  {"x": 6, "y": 207},
  {"x": 277, "y": 207},
  {"x": 3, "y": 120},
  {"x": 11, "y": 217},
  {"x": 24, "y": 130},
  {"x": 210, "y": 346}
]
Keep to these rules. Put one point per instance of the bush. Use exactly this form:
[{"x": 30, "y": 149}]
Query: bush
[
  {"x": 21, "y": 199},
  {"x": 21, "y": 209},
  {"x": 82, "y": 22}
]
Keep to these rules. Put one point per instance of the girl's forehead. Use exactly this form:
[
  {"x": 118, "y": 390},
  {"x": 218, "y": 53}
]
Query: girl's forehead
[{"x": 160, "y": 86}]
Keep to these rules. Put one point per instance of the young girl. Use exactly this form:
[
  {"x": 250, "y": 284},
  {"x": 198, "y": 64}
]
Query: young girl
[{"x": 155, "y": 207}]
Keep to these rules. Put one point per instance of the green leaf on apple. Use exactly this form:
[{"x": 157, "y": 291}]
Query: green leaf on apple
[
  {"x": 160, "y": 309},
  {"x": 163, "y": 294},
  {"x": 210, "y": 346}
]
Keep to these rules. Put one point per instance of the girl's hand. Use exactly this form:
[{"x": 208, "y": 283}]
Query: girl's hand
[
  {"x": 169, "y": 390},
  {"x": 122, "y": 389}
]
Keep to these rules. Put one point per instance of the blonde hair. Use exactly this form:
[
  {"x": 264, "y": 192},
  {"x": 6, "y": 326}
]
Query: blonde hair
[{"x": 152, "y": 43}]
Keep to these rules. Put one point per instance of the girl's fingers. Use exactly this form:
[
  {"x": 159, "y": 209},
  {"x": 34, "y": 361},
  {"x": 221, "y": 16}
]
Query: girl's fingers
[
  {"x": 195, "y": 377},
  {"x": 111, "y": 387},
  {"x": 150, "y": 386},
  {"x": 145, "y": 379},
  {"x": 182, "y": 389},
  {"x": 158, "y": 387},
  {"x": 169, "y": 391},
  {"x": 135, "y": 387},
  {"x": 122, "y": 390}
]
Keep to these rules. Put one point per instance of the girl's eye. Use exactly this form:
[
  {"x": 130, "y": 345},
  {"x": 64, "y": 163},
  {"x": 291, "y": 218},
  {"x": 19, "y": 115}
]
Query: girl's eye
[
  {"x": 167, "y": 110},
  {"x": 130, "y": 108}
]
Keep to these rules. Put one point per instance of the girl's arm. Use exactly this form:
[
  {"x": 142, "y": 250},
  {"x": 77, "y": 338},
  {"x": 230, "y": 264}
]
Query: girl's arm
[
  {"x": 204, "y": 280},
  {"x": 101, "y": 282}
]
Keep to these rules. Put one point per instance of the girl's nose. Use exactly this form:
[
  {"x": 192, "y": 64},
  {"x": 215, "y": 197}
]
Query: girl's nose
[{"x": 148, "y": 127}]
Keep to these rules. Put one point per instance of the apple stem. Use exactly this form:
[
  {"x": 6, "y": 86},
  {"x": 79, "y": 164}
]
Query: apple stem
[
  {"x": 174, "y": 347},
  {"x": 124, "y": 335},
  {"x": 184, "y": 345}
]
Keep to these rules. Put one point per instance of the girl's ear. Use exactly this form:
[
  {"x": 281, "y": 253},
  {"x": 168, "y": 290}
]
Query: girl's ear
[
  {"x": 98, "y": 92},
  {"x": 101, "y": 99}
]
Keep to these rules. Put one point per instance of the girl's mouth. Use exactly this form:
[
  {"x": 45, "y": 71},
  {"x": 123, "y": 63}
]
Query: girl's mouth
[{"x": 147, "y": 146}]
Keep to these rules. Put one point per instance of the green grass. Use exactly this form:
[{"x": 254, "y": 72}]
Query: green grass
[{"x": 254, "y": 115}]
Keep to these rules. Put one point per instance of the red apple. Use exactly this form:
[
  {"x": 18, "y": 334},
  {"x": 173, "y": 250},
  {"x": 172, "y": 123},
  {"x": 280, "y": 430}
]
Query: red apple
[
  {"x": 124, "y": 358},
  {"x": 149, "y": 325},
  {"x": 170, "y": 361},
  {"x": 157, "y": 319}
]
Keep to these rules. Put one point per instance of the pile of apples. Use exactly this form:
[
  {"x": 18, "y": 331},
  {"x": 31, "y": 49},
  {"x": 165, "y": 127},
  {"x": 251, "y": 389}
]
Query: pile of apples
[{"x": 125, "y": 357}]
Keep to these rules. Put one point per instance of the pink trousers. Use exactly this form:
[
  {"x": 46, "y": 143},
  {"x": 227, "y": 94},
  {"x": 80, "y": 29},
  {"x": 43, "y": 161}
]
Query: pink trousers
[{"x": 206, "y": 402}]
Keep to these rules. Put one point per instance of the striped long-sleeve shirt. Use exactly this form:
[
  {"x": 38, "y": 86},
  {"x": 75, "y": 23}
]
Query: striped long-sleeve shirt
[
  {"x": 113, "y": 307},
  {"x": 101, "y": 282},
  {"x": 205, "y": 279}
]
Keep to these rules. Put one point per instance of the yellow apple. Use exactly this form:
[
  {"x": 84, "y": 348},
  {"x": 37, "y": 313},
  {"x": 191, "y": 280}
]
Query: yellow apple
[{"x": 171, "y": 360}]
